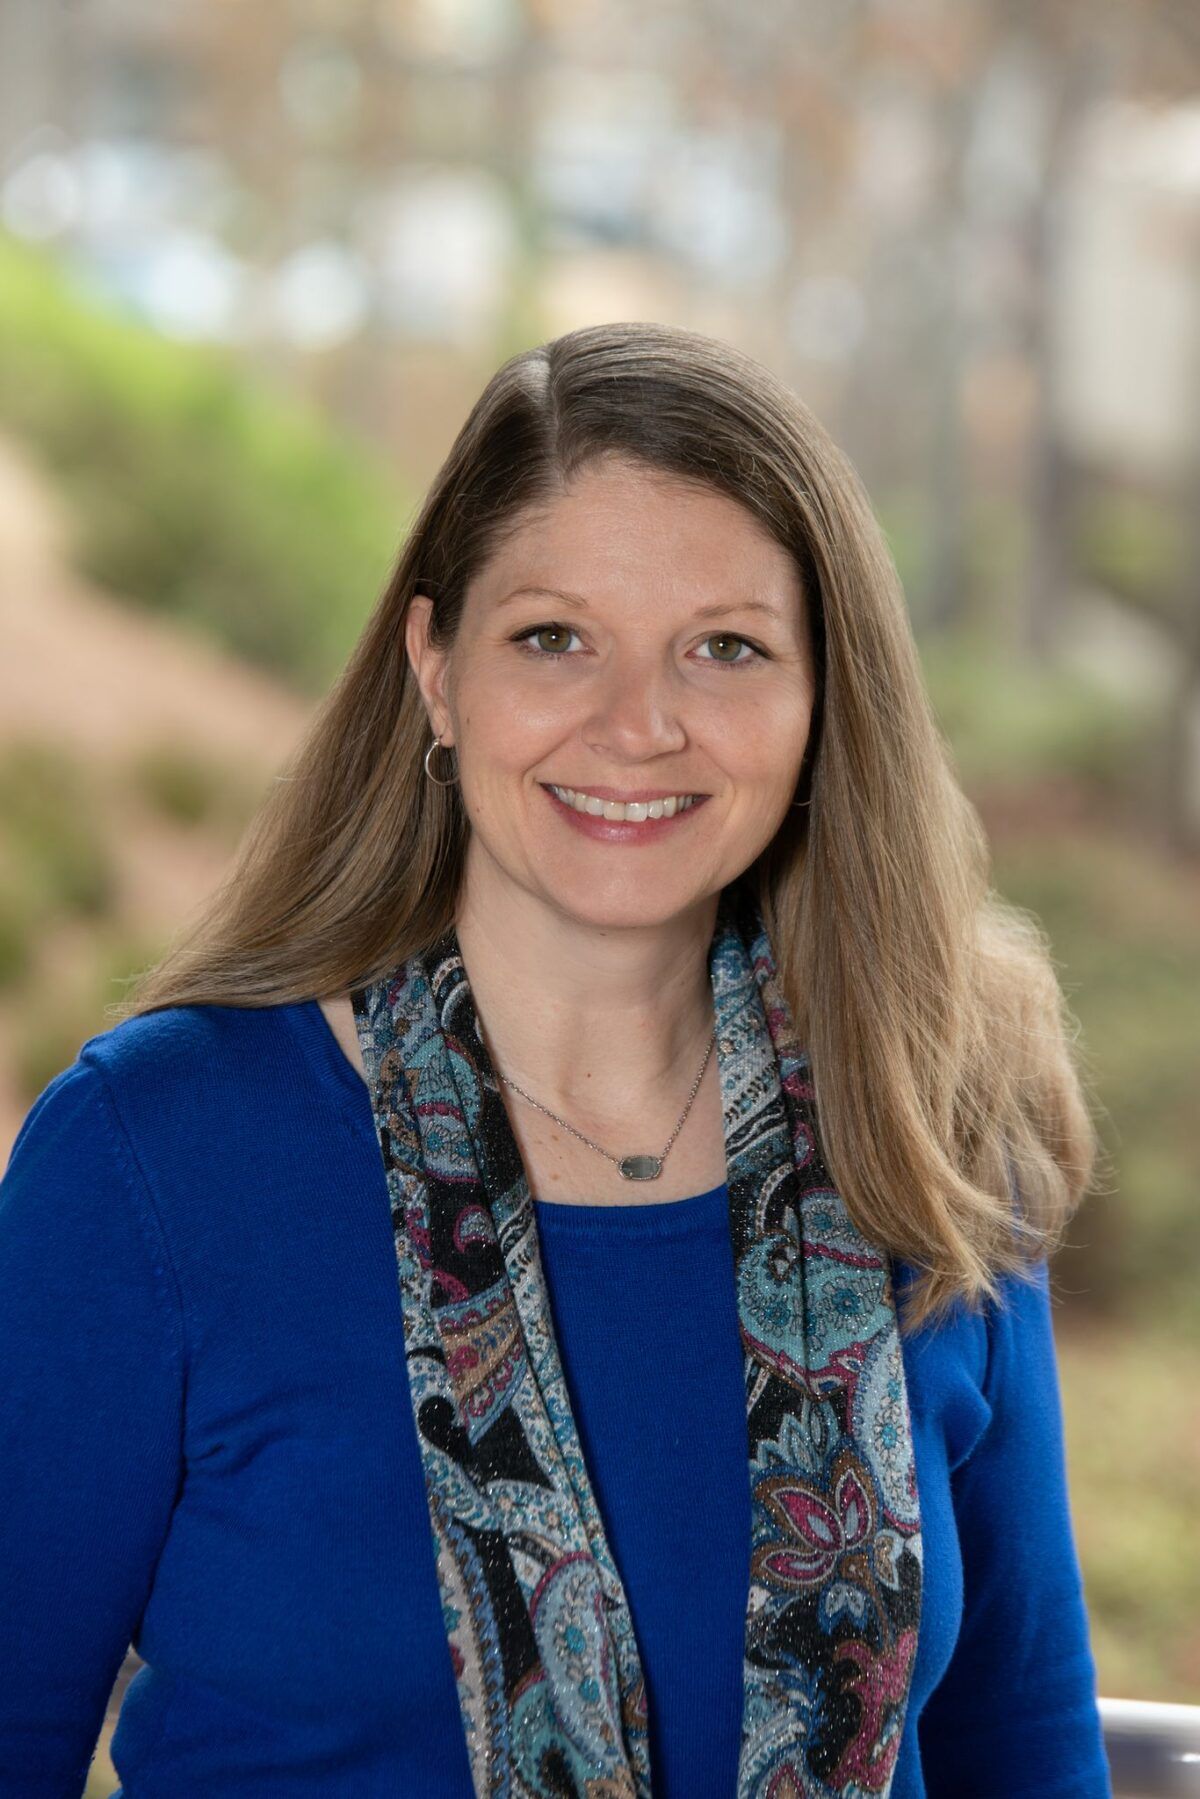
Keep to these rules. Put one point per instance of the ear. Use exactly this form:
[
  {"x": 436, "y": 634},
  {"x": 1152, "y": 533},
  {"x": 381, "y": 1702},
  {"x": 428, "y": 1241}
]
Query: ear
[{"x": 429, "y": 665}]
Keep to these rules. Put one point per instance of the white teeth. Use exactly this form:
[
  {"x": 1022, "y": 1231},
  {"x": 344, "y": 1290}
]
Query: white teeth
[{"x": 635, "y": 812}]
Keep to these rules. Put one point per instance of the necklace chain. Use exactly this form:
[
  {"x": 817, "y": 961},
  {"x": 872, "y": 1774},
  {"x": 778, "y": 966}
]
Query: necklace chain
[{"x": 623, "y": 1162}]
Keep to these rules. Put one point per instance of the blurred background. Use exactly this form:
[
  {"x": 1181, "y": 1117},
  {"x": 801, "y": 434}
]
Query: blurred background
[{"x": 256, "y": 264}]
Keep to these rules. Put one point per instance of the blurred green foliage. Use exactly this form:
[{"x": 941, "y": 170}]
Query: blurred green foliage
[
  {"x": 193, "y": 490},
  {"x": 1135, "y": 545},
  {"x": 1132, "y": 1425},
  {"x": 1123, "y": 929},
  {"x": 1012, "y": 721},
  {"x": 52, "y": 1021},
  {"x": 1121, "y": 917},
  {"x": 55, "y": 856},
  {"x": 901, "y": 514},
  {"x": 49, "y": 1035},
  {"x": 16, "y": 928},
  {"x": 187, "y": 786}
]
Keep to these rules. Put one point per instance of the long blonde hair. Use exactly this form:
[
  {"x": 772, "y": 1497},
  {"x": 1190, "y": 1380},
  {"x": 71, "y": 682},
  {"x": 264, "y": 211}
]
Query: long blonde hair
[{"x": 951, "y": 1103}]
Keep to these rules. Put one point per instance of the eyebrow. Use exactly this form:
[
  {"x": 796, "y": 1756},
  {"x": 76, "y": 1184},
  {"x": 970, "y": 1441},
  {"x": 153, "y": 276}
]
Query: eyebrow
[{"x": 576, "y": 599}]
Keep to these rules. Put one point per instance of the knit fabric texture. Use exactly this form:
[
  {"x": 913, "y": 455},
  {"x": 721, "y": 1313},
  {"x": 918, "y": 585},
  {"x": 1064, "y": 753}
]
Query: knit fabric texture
[{"x": 207, "y": 1449}]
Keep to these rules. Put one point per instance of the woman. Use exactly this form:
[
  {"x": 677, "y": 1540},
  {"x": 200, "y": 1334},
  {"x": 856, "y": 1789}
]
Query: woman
[{"x": 439, "y": 1334}]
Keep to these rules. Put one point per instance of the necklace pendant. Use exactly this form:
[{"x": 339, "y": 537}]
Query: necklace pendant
[{"x": 641, "y": 1168}]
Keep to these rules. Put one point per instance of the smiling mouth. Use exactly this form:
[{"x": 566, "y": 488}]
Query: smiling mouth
[{"x": 627, "y": 811}]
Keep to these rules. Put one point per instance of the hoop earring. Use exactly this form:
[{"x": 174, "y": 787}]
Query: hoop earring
[{"x": 449, "y": 747}]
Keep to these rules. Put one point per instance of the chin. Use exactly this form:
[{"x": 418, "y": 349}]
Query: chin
[{"x": 626, "y": 908}]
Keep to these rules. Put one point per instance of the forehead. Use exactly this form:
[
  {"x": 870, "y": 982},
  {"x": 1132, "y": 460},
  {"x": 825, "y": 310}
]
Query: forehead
[{"x": 619, "y": 530}]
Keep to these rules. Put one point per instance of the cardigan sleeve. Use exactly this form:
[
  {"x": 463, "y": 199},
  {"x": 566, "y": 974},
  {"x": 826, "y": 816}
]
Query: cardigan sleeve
[
  {"x": 90, "y": 1427},
  {"x": 1015, "y": 1714}
]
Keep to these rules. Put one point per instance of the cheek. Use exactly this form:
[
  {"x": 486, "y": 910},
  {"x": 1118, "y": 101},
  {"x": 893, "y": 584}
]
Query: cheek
[
  {"x": 515, "y": 707},
  {"x": 766, "y": 742}
]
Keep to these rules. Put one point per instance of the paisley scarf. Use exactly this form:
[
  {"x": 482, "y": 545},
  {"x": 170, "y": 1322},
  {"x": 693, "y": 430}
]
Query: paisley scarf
[{"x": 539, "y": 1629}]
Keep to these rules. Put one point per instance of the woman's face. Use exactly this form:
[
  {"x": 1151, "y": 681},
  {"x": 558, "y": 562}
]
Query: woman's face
[{"x": 665, "y": 655}]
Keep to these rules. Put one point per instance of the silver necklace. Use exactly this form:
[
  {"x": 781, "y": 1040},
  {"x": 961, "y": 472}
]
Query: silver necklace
[{"x": 634, "y": 1168}]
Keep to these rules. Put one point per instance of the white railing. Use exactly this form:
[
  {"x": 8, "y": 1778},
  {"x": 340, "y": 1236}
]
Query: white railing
[{"x": 1153, "y": 1749}]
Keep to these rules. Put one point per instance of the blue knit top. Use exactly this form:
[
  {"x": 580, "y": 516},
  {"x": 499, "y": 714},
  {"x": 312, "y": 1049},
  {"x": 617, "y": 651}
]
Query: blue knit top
[{"x": 207, "y": 1450}]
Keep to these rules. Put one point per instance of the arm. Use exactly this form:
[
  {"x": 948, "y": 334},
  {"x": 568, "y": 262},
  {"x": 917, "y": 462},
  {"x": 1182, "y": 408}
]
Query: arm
[
  {"x": 1015, "y": 1715},
  {"x": 90, "y": 1427}
]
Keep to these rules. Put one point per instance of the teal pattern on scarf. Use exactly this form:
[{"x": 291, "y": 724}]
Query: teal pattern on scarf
[{"x": 538, "y": 1626}]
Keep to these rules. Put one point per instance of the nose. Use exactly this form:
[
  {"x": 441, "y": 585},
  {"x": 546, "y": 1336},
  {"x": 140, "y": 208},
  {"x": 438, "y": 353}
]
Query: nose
[{"x": 634, "y": 713}]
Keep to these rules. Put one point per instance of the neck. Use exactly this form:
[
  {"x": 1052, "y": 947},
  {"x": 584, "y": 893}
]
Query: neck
[{"x": 589, "y": 1018}]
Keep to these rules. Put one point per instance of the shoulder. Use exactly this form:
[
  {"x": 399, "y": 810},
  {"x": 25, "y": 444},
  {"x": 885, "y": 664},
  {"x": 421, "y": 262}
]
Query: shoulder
[
  {"x": 1023, "y": 1302},
  {"x": 149, "y": 1062},
  {"x": 173, "y": 1043},
  {"x": 72, "y": 1108},
  {"x": 75, "y": 1213},
  {"x": 91, "y": 1320},
  {"x": 192, "y": 1066},
  {"x": 153, "y": 1087}
]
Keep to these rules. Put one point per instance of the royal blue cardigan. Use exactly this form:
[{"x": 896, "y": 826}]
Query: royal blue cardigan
[{"x": 207, "y": 1450}]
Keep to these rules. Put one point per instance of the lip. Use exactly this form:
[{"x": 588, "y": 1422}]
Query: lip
[
  {"x": 632, "y": 797},
  {"x": 624, "y": 831}
]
